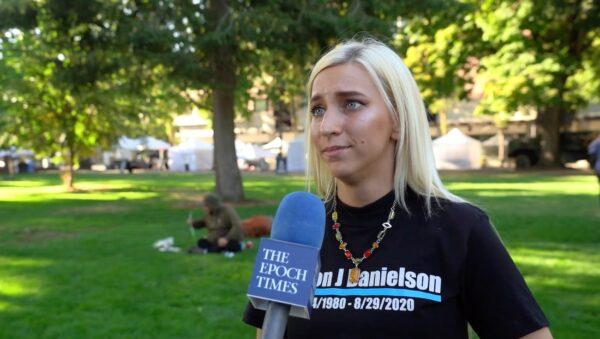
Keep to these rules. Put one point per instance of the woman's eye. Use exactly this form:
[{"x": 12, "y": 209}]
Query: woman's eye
[
  {"x": 353, "y": 104},
  {"x": 317, "y": 111}
]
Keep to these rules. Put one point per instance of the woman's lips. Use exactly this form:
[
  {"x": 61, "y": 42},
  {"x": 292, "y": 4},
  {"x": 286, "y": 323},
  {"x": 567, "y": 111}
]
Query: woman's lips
[{"x": 334, "y": 150}]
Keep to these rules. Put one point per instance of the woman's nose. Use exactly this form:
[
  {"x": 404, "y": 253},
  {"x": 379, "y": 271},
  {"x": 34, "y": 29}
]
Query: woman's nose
[{"x": 331, "y": 123}]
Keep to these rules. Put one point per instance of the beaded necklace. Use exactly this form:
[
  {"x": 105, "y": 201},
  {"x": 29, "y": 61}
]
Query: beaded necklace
[{"x": 355, "y": 272}]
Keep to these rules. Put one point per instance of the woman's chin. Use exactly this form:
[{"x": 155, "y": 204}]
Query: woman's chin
[{"x": 342, "y": 173}]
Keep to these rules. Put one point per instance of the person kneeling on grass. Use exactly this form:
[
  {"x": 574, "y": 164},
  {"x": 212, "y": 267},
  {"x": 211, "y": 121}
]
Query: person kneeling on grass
[{"x": 223, "y": 225}]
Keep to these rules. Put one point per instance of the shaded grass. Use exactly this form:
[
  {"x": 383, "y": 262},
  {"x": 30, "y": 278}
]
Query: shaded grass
[{"x": 81, "y": 264}]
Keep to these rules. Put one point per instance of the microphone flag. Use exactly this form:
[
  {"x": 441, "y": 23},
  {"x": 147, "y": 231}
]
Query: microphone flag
[{"x": 284, "y": 272}]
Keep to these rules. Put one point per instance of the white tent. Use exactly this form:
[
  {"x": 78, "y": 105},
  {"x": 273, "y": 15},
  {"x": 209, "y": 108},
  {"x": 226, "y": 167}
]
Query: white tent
[
  {"x": 154, "y": 144},
  {"x": 276, "y": 145},
  {"x": 25, "y": 153},
  {"x": 192, "y": 155},
  {"x": 456, "y": 150},
  {"x": 15, "y": 157},
  {"x": 251, "y": 152},
  {"x": 128, "y": 144},
  {"x": 296, "y": 159},
  {"x": 127, "y": 148},
  {"x": 143, "y": 143}
]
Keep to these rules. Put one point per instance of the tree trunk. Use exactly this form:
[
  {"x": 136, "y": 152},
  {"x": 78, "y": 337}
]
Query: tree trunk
[
  {"x": 501, "y": 148},
  {"x": 10, "y": 165},
  {"x": 228, "y": 178},
  {"x": 548, "y": 126},
  {"x": 67, "y": 174},
  {"x": 443, "y": 122}
]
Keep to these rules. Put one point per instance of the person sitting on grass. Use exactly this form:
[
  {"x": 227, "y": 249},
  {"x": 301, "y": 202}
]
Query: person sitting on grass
[{"x": 223, "y": 226}]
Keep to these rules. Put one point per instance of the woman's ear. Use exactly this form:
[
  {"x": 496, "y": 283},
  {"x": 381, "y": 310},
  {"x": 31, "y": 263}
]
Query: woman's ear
[{"x": 395, "y": 134}]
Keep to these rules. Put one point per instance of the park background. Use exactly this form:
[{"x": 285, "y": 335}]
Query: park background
[{"x": 78, "y": 79}]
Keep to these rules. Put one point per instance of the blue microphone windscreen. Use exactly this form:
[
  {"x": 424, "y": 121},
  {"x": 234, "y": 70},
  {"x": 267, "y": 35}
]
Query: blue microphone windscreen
[{"x": 300, "y": 219}]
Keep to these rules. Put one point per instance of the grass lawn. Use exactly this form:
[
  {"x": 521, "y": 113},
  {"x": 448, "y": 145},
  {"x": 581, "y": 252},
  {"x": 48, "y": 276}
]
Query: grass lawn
[{"x": 81, "y": 265}]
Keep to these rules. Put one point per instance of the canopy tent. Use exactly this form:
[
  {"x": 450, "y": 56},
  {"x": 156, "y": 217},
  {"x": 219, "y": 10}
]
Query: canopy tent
[
  {"x": 296, "y": 158},
  {"x": 154, "y": 144},
  {"x": 143, "y": 143},
  {"x": 246, "y": 151},
  {"x": 456, "y": 151},
  {"x": 19, "y": 153},
  {"x": 276, "y": 145},
  {"x": 17, "y": 160},
  {"x": 129, "y": 149},
  {"x": 128, "y": 144},
  {"x": 192, "y": 155}
]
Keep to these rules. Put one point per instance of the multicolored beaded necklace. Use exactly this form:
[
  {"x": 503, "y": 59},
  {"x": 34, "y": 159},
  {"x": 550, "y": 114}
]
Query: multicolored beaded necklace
[{"x": 355, "y": 272}]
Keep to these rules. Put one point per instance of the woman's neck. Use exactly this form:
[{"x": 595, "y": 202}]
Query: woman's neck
[{"x": 366, "y": 192}]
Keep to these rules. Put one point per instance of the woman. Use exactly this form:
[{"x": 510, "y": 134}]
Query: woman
[{"x": 402, "y": 257}]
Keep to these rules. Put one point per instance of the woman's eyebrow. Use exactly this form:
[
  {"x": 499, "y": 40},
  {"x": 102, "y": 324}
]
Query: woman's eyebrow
[
  {"x": 348, "y": 93},
  {"x": 338, "y": 94}
]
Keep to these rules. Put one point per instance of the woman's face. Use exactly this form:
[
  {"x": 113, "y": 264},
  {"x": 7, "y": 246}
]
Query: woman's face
[{"x": 351, "y": 127}]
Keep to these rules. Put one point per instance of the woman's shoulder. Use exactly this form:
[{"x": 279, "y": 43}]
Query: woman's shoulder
[
  {"x": 448, "y": 210},
  {"x": 459, "y": 214},
  {"x": 460, "y": 223}
]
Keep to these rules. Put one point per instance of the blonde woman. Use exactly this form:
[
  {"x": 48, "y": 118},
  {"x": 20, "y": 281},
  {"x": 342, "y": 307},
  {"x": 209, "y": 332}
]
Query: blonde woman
[{"x": 402, "y": 257}]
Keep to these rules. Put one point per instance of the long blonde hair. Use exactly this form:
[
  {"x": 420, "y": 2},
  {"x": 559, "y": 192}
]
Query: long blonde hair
[{"x": 414, "y": 163}]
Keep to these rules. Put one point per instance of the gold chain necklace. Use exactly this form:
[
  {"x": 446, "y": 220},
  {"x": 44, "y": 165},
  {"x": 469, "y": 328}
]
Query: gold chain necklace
[{"x": 355, "y": 272}]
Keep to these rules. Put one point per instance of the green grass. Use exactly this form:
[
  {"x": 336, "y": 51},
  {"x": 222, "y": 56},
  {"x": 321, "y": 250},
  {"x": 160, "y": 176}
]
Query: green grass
[{"x": 81, "y": 265}]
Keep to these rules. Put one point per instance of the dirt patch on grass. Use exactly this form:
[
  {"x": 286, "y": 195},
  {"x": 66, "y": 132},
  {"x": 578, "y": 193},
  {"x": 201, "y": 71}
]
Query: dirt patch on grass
[
  {"x": 187, "y": 201},
  {"x": 93, "y": 209},
  {"x": 32, "y": 235}
]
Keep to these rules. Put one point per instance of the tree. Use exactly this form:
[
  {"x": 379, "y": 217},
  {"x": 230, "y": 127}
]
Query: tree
[
  {"x": 440, "y": 43},
  {"x": 543, "y": 55},
  {"x": 68, "y": 82},
  {"x": 529, "y": 54},
  {"x": 221, "y": 46}
]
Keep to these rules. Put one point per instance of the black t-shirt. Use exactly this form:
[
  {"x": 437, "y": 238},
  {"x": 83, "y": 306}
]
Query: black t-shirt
[{"x": 429, "y": 277}]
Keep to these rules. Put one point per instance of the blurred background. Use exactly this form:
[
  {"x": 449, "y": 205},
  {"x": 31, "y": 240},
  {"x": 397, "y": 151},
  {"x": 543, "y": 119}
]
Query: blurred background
[{"x": 117, "y": 116}]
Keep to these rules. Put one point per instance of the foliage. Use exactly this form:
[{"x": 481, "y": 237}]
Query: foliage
[
  {"x": 222, "y": 47},
  {"x": 542, "y": 54},
  {"x": 69, "y": 82},
  {"x": 440, "y": 46},
  {"x": 526, "y": 55},
  {"x": 276, "y": 39}
]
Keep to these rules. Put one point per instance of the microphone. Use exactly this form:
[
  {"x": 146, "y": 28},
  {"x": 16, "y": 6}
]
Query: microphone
[{"x": 284, "y": 276}]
